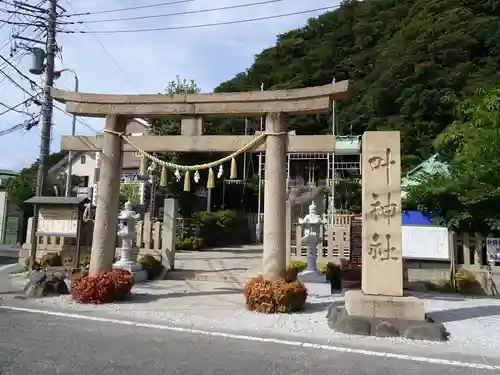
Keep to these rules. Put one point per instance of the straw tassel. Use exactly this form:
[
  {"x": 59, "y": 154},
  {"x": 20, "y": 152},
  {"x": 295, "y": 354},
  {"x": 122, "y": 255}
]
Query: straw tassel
[
  {"x": 164, "y": 176},
  {"x": 211, "y": 179},
  {"x": 187, "y": 181},
  {"x": 234, "y": 172},
  {"x": 143, "y": 167}
]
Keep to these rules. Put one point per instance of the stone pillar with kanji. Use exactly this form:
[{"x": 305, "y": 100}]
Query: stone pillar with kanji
[{"x": 381, "y": 297}]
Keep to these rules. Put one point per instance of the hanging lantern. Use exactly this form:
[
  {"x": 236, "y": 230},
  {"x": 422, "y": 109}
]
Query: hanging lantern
[
  {"x": 234, "y": 172},
  {"x": 187, "y": 181},
  {"x": 164, "y": 176},
  {"x": 211, "y": 179},
  {"x": 143, "y": 168}
]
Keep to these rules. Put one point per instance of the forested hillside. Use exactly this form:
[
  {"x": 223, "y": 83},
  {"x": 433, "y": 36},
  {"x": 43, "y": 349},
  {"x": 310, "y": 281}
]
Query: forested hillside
[{"x": 409, "y": 62}]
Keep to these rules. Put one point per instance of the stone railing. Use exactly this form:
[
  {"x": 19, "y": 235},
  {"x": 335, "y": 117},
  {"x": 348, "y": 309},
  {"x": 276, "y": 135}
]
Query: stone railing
[{"x": 334, "y": 245}]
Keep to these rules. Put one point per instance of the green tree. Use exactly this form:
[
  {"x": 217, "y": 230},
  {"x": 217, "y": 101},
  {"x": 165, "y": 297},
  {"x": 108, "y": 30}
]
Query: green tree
[
  {"x": 467, "y": 199},
  {"x": 401, "y": 63},
  {"x": 22, "y": 187},
  {"x": 173, "y": 126}
]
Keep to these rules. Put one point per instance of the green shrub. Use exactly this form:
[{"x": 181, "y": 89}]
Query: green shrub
[
  {"x": 85, "y": 262},
  {"x": 293, "y": 268},
  {"x": 466, "y": 281},
  {"x": 190, "y": 243},
  {"x": 151, "y": 265},
  {"x": 441, "y": 286},
  {"x": 221, "y": 228},
  {"x": 51, "y": 260},
  {"x": 298, "y": 265},
  {"x": 274, "y": 296},
  {"x": 333, "y": 273},
  {"x": 322, "y": 268}
]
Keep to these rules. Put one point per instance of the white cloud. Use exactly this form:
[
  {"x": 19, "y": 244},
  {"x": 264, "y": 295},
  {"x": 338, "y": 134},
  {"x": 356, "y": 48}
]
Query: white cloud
[{"x": 208, "y": 55}]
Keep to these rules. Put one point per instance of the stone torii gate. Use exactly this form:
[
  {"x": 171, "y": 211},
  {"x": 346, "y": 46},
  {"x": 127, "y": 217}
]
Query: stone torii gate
[{"x": 192, "y": 108}]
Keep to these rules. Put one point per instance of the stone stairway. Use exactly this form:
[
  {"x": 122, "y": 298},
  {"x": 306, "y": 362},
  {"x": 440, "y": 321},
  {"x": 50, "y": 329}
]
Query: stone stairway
[{"x": 230, "y": 265}]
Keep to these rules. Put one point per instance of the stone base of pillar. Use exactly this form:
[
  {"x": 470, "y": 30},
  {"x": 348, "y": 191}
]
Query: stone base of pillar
[
  {"x": 384, "y": 316},
  {"x": 315, "y": 283},
  {"x": 311, "y": 277},
  {"x": 134, "y": 268},
  {"x": 358, "y": 303}
]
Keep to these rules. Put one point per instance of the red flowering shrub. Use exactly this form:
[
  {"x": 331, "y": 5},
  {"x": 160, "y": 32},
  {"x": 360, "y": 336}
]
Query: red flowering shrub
[
  {"x": 110, "y": 286},
  {"x": 274, "y": 296}
]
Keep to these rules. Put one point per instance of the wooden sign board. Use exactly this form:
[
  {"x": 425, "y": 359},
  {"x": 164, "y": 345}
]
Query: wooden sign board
[{"x": 58, "y": 220}]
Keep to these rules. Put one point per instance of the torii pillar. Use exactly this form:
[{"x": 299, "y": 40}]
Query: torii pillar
[
  {"x": 108, "y": 199},
  {"x": 274, "y": 254}
]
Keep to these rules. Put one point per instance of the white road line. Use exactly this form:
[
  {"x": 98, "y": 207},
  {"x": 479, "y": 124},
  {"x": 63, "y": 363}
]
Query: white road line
[{"x": 339, "y": 349}]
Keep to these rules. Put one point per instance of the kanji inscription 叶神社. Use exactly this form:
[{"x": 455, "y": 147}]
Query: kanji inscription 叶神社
[{"x": 382, "y": 268}]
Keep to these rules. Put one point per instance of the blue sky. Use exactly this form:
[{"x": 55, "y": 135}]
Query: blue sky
[{"x": 145, "y": 61}]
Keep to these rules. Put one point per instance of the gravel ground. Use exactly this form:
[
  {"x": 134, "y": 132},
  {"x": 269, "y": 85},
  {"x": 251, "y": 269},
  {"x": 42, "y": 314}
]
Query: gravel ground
[{"x": 472, "y": 322}]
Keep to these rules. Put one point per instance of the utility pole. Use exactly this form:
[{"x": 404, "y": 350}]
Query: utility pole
[{"x": 46, "y": 119}]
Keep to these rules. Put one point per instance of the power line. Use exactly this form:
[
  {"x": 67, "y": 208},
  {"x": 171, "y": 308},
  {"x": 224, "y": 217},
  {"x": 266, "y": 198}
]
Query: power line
[
  {"x": 110, "y": 56},
  {"x": 33, "y": 83},
  {"x": 174, "y": 13},
  {"x": 8, "y": 19},
  {"x": 16, "y": 23},
  {"x": 17, "y": 84},
  {"x": 201, "y": 25},
  {"x": 127, "y": 9},
  {"x": 18, "y": 13},
  {"x": 13, "y": 108},
  {"x": 16, "y": 56},
  {"x": 26, "y": 125},
  {"x": 84, "y": 123}
]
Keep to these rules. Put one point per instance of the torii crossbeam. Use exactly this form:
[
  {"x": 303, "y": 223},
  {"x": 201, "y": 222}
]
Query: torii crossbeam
[{"x": 192, "y": 108}]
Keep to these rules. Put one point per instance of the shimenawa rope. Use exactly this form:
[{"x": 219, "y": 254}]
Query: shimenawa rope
[{"x": 189, "y": 168}]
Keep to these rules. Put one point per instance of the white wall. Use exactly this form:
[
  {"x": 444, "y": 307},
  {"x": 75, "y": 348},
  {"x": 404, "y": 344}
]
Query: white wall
[{"x": 87, "y": 169}]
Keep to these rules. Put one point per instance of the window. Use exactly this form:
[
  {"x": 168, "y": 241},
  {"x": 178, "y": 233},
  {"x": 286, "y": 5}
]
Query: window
[{"x": 83, "y": 159}]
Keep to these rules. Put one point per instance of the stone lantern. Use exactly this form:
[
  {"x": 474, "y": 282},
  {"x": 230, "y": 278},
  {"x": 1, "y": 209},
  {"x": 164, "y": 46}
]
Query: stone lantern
[
  {"x": 128, "y": 219},
  {"x": 312, "y": 224}
]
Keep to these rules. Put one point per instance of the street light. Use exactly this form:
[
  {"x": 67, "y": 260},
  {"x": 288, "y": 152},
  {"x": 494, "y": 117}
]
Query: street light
[{"x": 73, "y": 130}]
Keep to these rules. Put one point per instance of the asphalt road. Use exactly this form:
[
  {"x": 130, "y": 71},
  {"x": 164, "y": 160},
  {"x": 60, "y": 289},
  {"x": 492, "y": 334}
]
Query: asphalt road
[{"x": 40, "y": 344}]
